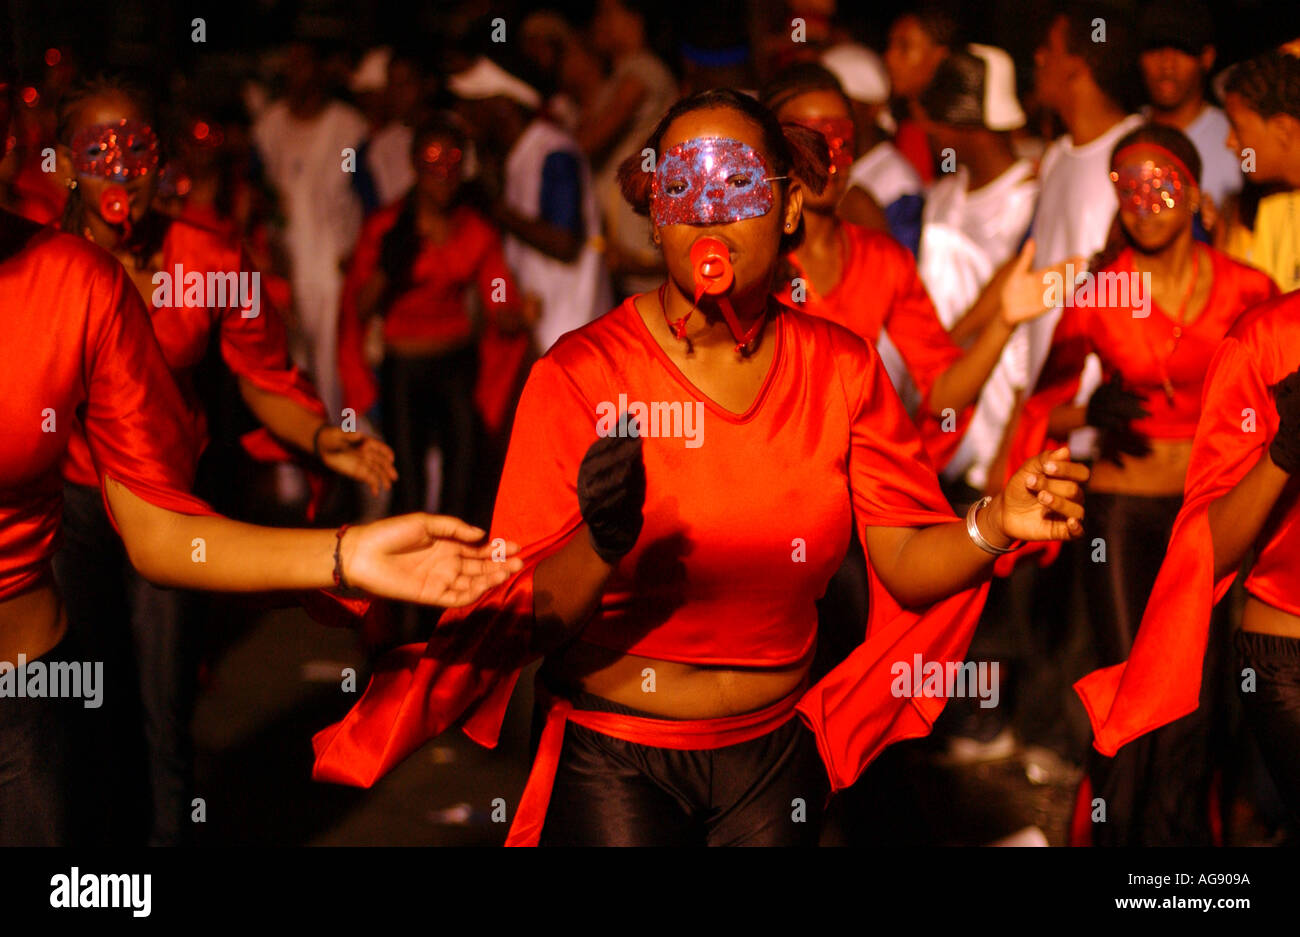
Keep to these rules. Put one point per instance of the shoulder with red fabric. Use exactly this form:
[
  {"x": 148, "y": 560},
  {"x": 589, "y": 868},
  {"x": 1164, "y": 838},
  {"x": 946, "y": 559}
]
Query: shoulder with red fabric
[{"x": 1250, "y": 284}]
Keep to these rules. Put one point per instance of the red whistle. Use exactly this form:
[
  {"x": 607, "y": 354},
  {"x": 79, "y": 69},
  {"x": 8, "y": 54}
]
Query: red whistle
[
  {"x": 712, "y": 263},
  {"x": 115, "y": 205}
]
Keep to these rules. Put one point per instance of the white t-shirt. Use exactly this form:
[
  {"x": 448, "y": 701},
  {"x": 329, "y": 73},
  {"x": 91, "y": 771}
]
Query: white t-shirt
[
  {"x": 885, "y": 173},
  {"x": 1076, "y": 206},
  {"x": 571, "y": 294},
  {"x": 965, "y": 238},
  {"x": 388, "y": 157},
  {"x": 1220, "y": 166}
]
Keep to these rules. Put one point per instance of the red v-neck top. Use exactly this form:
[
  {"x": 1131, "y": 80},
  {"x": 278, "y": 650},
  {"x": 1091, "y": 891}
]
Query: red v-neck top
[
  {"x": 1161, "y": 680},
  {"x": 742, "y": 532},
  {"x": 880, "y": 288},
  {"x": 254, "y": 347},
  {"x": 1142, "y": 351}
]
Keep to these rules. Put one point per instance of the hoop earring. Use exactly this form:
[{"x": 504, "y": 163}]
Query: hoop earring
[{"x": 72, "y": 184}]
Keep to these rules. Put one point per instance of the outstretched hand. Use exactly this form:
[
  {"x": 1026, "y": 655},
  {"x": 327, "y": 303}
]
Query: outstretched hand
[
  {"x": 1023, "y": 289},
  {"x": 358, "y": 456},
  {"x": 1044, "y": 499},
  {"x": 431, "y": 559}
]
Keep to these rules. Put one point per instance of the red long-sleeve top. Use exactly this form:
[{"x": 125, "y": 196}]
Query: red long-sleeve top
[
  {"x": 1144, "y": 351},
  {"x": 1161, "y": 680},
  {"x": 724, "y": 572},
  {"x": 434, "y": 308},
  {"x": 254, "y": 348},
  {"x": 880, "y": 288},
  {"x": 80, "y": 342}
]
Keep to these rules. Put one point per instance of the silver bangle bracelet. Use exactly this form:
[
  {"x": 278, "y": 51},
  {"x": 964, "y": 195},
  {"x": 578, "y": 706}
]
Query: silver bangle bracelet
[{"x": 977, "y": 538}]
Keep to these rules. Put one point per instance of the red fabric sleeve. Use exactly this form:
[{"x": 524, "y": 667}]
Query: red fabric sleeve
[
  {"x": 1161, "y": 680},
  {"x": 853, "y": 711},
  {"x": 915, "y": 329},
  {"x": 360, "y": 390},
  {"x": 1058, "y": 383},
  {"x": 502, "y": 356},
  {"x": 135, "y": 421},
  {"x": 470, "y": 665},
  {"x": 256, "y": 349}
]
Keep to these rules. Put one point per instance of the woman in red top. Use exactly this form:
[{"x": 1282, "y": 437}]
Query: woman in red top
[
  {"x": 1241, "y": 494},
  {"x": 672, "y": 571},
  {"x": 1154, "y": 310},
  {"x": 201, "y": 290},
  {"x": 413, "y": 267},
  {"x": 866, "y": 281}
]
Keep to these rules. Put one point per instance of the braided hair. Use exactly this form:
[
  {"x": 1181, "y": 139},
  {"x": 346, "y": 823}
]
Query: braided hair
[{"x": 1269, "y": 84}]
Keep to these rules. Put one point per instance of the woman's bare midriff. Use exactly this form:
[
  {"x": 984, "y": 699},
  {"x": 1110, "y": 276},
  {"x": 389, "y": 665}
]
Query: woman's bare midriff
[
  {"x": 1263, "y": 618},
  {"x": 668, "y": 688},
  {"x": 1162, "y": 472},
  {"x": 31, "y": 624}
]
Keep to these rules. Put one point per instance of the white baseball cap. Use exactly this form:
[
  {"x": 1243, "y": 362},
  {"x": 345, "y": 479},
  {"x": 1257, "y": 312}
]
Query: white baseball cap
[
  {"x": 486, "y": 79},
  {"x": 860, "y": 71}
]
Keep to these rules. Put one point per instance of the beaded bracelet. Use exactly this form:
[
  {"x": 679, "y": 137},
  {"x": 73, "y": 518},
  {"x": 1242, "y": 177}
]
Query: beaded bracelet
[{"x": 339, "y": 581}]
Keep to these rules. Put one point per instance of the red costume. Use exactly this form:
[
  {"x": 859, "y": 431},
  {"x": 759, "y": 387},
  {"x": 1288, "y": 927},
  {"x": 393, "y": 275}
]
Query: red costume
[
  {"x": 433, "y": 308},
  {"x": 1150, "y": 352},
  {"x": 254, "y": 348},
  {"x": 81, "y": 338},
  {"x": 723, "y": 573},
  {"x": 1161, "y": 680},
  {"x": 880, "y": 288}
]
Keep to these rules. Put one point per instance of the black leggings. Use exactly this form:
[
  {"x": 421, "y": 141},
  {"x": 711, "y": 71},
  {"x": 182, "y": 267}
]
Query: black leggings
[
  {"x": 1157, "y": 787},
  {"x": 38, "y": 744},
  {"x": 428, "y": 399},
  {"x": 138, "y": 743},
  {"x": 769, "y": 791},
  {"x": 1273, "y": 709}
]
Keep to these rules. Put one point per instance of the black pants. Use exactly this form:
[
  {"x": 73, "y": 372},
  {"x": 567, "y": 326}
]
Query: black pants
[
  {"x": 1273, "y": 709},
  {"x": 769, "y": 791},
  {"x": 1157, "y": 787},
  {"x": 139, "y": 744},
  {"x": 38, "y": 744},
  {"x": 427, "y": 400}
]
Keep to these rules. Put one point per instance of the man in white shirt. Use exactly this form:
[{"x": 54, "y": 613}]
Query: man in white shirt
[
  {"x": 301, "y": 140},
  {"x": 1088, "y": 84},
  {"x": 976, "y": 216},
  {"x": 547, "y": 205},
  {"x": 1177, "y": 55}
]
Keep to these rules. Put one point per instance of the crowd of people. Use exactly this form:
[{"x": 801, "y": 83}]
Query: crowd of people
[{"x": 737, "y": 381}]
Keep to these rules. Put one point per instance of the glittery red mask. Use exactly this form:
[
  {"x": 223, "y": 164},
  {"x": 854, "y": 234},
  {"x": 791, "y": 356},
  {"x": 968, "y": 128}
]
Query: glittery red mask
[
  {"x": 439, "y": 161},
  {"x": 1153, "y": 185},
  {"x": 119, "y": 151},
  {"x": 839, "y": 135},
  {"x": 711, "y": 180}
]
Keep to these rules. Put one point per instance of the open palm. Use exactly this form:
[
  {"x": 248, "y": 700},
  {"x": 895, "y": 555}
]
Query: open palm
[
  {"x": 427, "y": 558},
  {"x": 1023, "y": 289}
]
